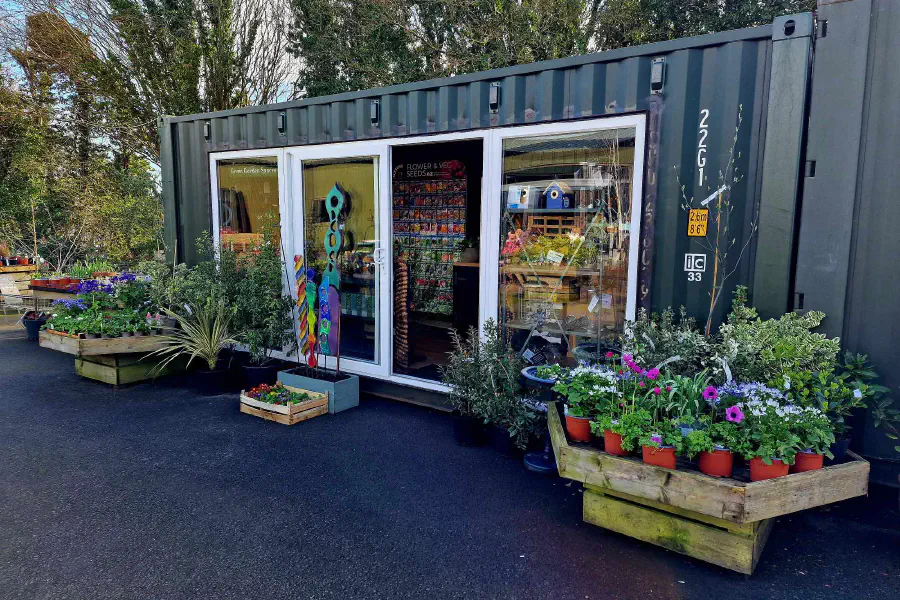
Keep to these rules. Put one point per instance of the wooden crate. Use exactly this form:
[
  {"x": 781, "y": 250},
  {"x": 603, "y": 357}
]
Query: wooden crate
[
  {"x": 72, "y": 344},
  {"x": 721, "y": 521},
  {"x": 122, "y": 369},
  {"x": 287, "y": 414}
]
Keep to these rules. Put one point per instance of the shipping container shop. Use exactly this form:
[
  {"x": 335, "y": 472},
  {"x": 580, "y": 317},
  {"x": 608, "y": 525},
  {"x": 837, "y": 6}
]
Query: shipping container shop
[{"x": 609, "y": 162}]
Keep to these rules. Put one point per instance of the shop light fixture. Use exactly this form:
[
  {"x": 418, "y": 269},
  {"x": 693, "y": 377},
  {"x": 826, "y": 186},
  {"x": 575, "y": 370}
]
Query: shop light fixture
[
  {"x": 373, "y": 112},
  {"x": 494, "y": 97},
  {"x": 207, "y": 130},
  {"x": 657, "y": 75},
  {"x": 282, "y": 120}
]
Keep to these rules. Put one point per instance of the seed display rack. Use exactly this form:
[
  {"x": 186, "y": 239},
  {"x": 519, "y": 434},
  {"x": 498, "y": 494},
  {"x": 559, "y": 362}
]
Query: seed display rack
[{"x": 429, "y": 221}]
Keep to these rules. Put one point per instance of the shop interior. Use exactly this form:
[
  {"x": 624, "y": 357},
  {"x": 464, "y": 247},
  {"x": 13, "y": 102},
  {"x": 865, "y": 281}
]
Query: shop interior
[{"x": 436, "y": 220}]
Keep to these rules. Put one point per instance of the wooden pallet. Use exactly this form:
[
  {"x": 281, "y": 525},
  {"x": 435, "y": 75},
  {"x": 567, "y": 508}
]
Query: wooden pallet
[
  {"x": 721, "y": 521},
  {"x": 287, "y": 414},
  {"x": 72, "y": 344}
]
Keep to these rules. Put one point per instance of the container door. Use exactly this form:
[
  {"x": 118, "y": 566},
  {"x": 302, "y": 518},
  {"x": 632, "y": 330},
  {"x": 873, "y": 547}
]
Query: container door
[{"x": 339, "y": 255}]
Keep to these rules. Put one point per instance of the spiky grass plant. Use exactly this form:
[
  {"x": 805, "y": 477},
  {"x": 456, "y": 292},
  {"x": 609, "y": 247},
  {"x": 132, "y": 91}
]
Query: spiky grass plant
[{"x": 201, "y": 334}]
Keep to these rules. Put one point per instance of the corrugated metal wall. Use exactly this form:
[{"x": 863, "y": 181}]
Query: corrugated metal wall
[
  {"x": 720, "y": 72},
  {"x": 848, "y": 245}
]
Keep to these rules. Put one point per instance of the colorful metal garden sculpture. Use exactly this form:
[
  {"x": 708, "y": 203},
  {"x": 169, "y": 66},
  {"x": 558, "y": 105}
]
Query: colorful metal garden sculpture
[{"x": 329, "y": 288}]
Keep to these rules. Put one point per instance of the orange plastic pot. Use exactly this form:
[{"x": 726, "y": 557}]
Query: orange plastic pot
[
  {"x": 717, "y": 463},
  {"x": 579, "y": 428},
  {"x": 807, "y": 461},
  {"x": 612, "y": 443},
  {"x": 660, "y": 457},
  {"x": 760, "y": 471}
]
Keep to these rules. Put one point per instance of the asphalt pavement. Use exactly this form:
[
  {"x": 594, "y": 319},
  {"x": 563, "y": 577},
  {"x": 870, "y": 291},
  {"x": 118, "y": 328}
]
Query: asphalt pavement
[{"x": 154, "y": 491}]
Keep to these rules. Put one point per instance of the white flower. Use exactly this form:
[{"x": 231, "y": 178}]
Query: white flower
[{"x": 857, "y": 394}]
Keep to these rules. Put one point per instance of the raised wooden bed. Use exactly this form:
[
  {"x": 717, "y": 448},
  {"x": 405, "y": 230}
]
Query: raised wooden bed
[
  {"x": 721, "y": 521},
  {"x": 122, "y": 369},
  {"x": 287, "y": 414},
  {"x": 72, "y": 344}
]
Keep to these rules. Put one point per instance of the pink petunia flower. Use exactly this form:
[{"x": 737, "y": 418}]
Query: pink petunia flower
[
  {"x": 710, "y": 393},
  {"x": 609, "y": 355},
  {"x": 642, "y": 384},
  {"x": 657, "y": 391},
  {"x": 627, "y": 358},
  {"x": 652, "y": 373}
]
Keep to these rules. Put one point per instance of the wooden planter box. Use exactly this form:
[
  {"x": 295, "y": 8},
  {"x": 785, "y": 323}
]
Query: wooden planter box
[
  {"x": 286, "y": 414},
  {"x": 342, "y": 394},
  {"x": 721, "y": 521},
  {"x": 122, "y": 369},
  {"x": 72, "y": 344}
]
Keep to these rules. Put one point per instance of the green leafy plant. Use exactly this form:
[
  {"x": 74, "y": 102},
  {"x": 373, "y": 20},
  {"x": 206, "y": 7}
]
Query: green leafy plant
[
  {"x": 587, "y": 390},
  {"x": 483, "y": 373},
  {"x": 763, "y": 350},
  {"x": 660, "y": 340},
  {"x": 203, "y": 333},
  {"x": 662, "y": 433},
  {"x": 263, "y": 309}
]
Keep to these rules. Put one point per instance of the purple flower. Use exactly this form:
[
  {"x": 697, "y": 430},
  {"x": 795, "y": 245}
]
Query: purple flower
[
  {"x": 627, "y": 358},
  {"x": 652, "y": 374},
  {"x": 656, "y": 439},
  {"x": 734, "y": 414},
  {"x": 124, "y": 277},
  {"x": 642, "y": 384},
  {"x": 610, "y": 354},
  {"x": 657, "y": 391},
  {"x": 91, "y": 286},
  {"x": 710, "y": 393}
]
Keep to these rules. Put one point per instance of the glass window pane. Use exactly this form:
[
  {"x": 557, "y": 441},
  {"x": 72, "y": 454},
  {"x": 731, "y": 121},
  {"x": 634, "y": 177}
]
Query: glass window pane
[
  {"x": 248, "y": 189},
  {"x": 358, "y": 280},
  {"x": 566, "y": 231}
]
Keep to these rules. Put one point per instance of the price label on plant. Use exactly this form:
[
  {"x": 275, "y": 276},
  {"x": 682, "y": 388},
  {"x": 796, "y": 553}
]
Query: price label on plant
[
  {"x": 554, "y": 257},
  {"x": 698, "y": 222}
]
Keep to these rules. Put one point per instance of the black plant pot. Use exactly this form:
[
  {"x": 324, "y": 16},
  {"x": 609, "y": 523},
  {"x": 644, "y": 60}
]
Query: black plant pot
[
  {"x": 468, "y": 431},
  {"x": 211, "y": 382},
  {"x": 504, "y": 445},
  {"x": 255, "y": 376},
  {"x": 33, "y": 328},
  {"x": 839, "y": 448}
]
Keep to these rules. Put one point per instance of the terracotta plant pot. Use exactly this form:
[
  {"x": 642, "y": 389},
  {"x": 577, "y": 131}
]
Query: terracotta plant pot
[
  {"x": 717, "y": 463},
  {"x": 760, "y": 471},
  {"x": 660, "y": 457},
  {"x": 612, "y": 443},
  {"x": 34, "y": 282},
  {"x": 23, "y": 261},
  {"x": 807, "y": 461},
  {"x": 579, "y": 428}
]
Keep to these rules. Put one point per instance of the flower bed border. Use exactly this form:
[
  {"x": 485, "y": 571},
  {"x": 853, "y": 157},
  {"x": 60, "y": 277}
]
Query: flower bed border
[
  {"x": 721, "y": 521},
  {"x": 286, "y": 414}
]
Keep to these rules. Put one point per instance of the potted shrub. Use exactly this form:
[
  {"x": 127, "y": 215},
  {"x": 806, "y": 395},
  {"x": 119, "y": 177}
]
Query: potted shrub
[
  {"x": 498, "y": 393},
  {"x": 467, "y": 395},
  {"x": 201, "y": 334},
  {"x": 263, "y": 311}
]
